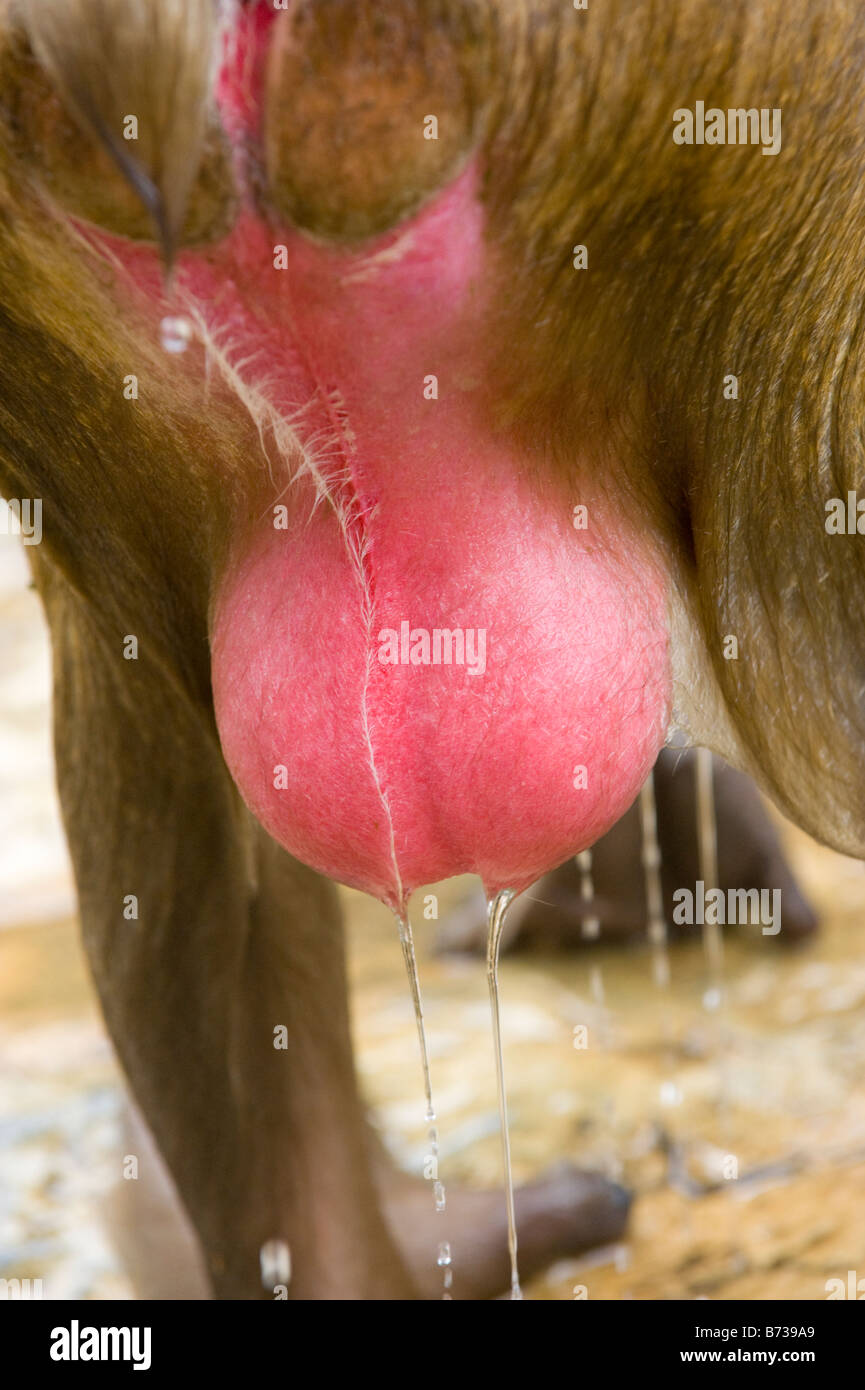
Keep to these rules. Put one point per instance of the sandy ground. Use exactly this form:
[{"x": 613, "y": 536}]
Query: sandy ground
[{"x": 742, "y": 1131}]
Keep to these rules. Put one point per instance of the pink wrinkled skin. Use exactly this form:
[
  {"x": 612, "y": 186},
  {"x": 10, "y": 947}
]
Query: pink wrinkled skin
[{"x": 397, "y": 775}]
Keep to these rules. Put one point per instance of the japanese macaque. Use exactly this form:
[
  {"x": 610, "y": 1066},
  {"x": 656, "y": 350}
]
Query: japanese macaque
[{"x": 334, "y": 335}]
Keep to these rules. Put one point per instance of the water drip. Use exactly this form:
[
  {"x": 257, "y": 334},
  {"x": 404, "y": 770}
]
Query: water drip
[
  {"x": 407, "y": 942},
  {"x": 651, "y": 857},
  {"x": 275, "y": 1262},
  {"x": 497, "y": 908},
  {"x": 707, "y": 856},
  {"x": 175, "y": 334},
  {"x": 591, "y": 926}
]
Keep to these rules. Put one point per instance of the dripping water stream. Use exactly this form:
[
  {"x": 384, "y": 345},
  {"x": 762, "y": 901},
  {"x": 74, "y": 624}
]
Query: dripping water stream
[
  {"x": 651, "y": 858},
  {"x": 707, "y": 858},
  {"x": 713, "y": 939},
  {"x": 406, "y": 938},
  {"x": 497, "y": 908},
  {"x": 656, "y": 927},
  {"x": 590, "y": 930}
]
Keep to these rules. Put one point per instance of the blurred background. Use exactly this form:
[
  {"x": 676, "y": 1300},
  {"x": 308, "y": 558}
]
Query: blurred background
[{"x": 741, "y": 1130}]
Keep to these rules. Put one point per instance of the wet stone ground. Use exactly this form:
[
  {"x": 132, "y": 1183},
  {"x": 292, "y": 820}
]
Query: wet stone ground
[
  {"x": 669, "y": 1099},
  {"x": 741, "y": 1130}
]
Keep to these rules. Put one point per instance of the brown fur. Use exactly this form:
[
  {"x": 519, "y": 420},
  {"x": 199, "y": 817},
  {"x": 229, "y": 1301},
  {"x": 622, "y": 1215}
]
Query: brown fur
[
  {"x": 152, "y": 61},
  {"x": 703, "y": 262}
]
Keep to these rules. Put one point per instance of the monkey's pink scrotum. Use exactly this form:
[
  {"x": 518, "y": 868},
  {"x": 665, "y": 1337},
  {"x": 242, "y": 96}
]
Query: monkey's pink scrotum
[{"x": 398, "y": 775}]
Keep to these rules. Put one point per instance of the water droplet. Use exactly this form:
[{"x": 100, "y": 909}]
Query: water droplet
[
  {"x": 596, "y": 984},
  {"x": 661, "y": 972},
  {"x": 433, "y": 1141},
  {"x": 430, "y": 1114},
  {"x": 670, "y": 1093},
  {"x": 275, "y": 1260},
  {"x": 175, "y": 334},
  {"x": 444, "y": 1255},
  {"x": 590, "y": 927},
  {"x": 439, "y": 1195}
]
